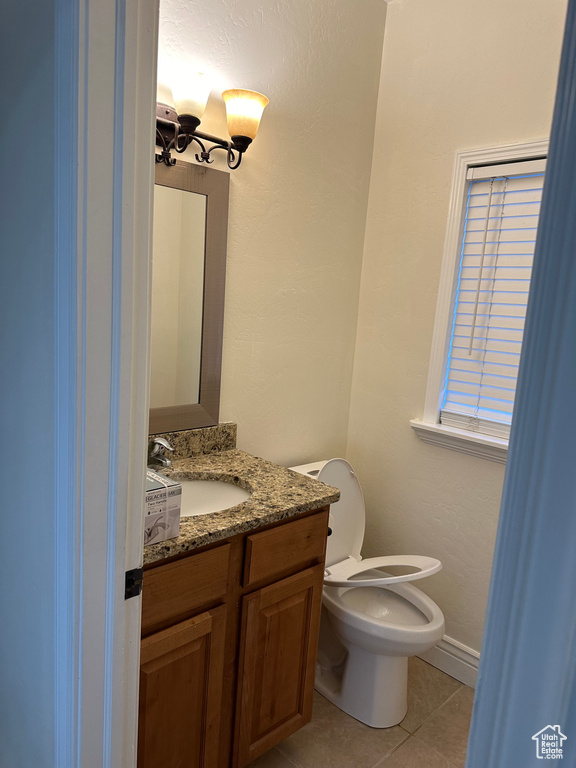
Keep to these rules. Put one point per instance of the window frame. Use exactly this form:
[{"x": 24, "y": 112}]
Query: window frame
[{"x": 429, "y": 428}]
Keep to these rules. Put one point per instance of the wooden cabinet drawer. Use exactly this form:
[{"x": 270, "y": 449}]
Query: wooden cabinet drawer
[
  {"x": 175, "y": 589},
  {"x": 292, "y": 545}
]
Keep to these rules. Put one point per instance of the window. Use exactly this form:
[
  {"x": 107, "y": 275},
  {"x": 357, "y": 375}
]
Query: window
[
  {"x": 483, "y": 296},
  {"x": 502, "y": 208}
]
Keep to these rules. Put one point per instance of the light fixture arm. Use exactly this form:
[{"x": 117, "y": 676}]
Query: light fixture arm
[
  {"x": 177, "y": 134},
  {"x": 163, "y": 140}
]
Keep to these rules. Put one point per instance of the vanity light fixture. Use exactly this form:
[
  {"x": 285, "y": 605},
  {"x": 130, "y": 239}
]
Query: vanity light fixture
[{"x": 178, "y": 114}]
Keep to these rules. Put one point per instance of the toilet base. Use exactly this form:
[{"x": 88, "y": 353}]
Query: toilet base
[{"x": 370, "y": 687}]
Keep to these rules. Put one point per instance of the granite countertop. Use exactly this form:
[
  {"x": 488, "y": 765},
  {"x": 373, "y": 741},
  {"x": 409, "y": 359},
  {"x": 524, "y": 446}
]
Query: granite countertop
[{"x": 277, "y": 494}]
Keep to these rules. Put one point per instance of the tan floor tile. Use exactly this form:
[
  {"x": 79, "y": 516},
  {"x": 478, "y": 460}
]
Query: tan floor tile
[
  {"x": 428, "y": 689},
  {"x": 415, "y": 754},
  {"x": 272, "y": 759},
  {"x": 447, "y": 729},
  {"x": 335, "y": 740}
]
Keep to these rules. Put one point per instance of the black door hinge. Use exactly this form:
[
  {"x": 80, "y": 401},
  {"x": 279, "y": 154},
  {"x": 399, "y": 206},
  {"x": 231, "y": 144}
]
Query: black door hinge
[{"x": 134, "y": 579}]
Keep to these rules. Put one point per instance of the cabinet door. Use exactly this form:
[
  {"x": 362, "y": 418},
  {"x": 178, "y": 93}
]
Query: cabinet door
[
  {"x": 277, "y": 662},
  {"x": 181, "y": 673}
]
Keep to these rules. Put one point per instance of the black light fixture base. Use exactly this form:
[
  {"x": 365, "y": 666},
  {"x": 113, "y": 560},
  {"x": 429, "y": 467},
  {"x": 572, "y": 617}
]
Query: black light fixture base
[
  {"x": 188, "y": 123},
  {"x": 166, "y": 112},
  {"x": 240, "y": 143},
  {"x": 166, "y": 123}
]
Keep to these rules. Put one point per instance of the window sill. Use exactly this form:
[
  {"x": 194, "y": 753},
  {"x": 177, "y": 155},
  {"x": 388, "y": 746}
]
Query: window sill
[{"x": 472, "y": 443}]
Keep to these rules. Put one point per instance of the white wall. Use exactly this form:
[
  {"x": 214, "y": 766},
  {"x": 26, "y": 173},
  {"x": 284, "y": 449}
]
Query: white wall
[
  {"x": 455, "y": 75},
  {"x": 297, "y": 207}
]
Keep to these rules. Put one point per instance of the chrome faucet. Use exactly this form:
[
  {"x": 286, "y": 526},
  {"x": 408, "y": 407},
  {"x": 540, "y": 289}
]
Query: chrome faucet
[{"x": 156, "y": 449}]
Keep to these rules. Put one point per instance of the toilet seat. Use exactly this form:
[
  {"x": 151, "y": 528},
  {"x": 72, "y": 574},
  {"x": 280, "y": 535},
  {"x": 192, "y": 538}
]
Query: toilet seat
[
  {"x": 342, "y": 574},
  {"x": 347, "y": 522}
]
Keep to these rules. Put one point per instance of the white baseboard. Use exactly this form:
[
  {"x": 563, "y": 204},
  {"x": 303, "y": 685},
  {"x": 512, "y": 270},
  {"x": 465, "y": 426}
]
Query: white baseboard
[{"x": 455, "y": 659}]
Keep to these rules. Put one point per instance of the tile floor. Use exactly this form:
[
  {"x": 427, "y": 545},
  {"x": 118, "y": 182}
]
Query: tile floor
[{"x": 433, "y": 734}]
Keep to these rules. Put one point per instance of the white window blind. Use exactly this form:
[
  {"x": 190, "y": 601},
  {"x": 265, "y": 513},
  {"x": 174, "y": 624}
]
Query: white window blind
[{"x": 493, "y": 283}]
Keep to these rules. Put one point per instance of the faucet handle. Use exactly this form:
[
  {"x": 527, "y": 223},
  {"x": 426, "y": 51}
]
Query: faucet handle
[
  {"x": 159, "y": 445},
  {"x": 156, "y": 450}
]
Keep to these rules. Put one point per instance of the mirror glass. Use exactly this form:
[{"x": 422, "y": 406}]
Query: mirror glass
[
  {"x": 188, "y": 285},
  {"x": 177, "y": 296}
]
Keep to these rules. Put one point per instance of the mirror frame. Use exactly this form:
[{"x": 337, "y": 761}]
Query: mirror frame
[{"x": 215, "y": 186}]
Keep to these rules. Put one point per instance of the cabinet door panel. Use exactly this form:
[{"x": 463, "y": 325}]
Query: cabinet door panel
[
  {"x": 277, "y": 662},
  {"x": 180, "y": 694}
]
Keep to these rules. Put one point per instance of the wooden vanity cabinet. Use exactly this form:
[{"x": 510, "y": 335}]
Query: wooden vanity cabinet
[
  {"x": 277, "y": 662},
  {"x": 229, "y": 644},
  {"x": 181, "y": 670}
]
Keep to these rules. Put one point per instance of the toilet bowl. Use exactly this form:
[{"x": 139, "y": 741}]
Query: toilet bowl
[{"x": 373, "y": 619}]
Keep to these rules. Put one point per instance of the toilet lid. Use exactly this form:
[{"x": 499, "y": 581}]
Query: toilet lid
[{"x": 347, "y": 516}]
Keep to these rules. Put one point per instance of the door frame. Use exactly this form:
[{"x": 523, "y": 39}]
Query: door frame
[{"x": 105, "y": 94}]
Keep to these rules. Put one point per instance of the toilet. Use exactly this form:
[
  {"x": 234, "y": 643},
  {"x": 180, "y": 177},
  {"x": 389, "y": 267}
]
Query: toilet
[{"x": 373, "y": 618}]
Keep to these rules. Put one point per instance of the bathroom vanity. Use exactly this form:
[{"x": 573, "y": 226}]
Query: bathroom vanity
[
  {"x": 230, "y": 617},
  {"x": 231, "y": 607}
]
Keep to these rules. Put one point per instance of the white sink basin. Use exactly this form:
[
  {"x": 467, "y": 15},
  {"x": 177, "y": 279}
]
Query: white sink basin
[{"x": 202, "y": 496}]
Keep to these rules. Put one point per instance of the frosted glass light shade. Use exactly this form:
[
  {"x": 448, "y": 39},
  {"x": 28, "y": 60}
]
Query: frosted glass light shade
[
  {"x": 164, "y": 94},
  {"x": 191, "y": 91},
  {"x": 243, "y": 111}
]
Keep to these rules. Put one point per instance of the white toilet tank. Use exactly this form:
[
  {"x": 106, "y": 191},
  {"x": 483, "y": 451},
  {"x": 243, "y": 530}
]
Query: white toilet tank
[{"x": 312, "y": 469}]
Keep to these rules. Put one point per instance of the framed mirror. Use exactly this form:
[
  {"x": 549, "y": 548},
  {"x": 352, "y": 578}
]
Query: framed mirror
[{"x": 188, "y": 281}]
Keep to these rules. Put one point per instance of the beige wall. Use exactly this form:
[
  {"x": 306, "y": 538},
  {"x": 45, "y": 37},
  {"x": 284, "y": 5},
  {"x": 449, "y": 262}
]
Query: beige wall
[
  {"x": 456, "y": 74},
  {"x": 297, "y": 207}
]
